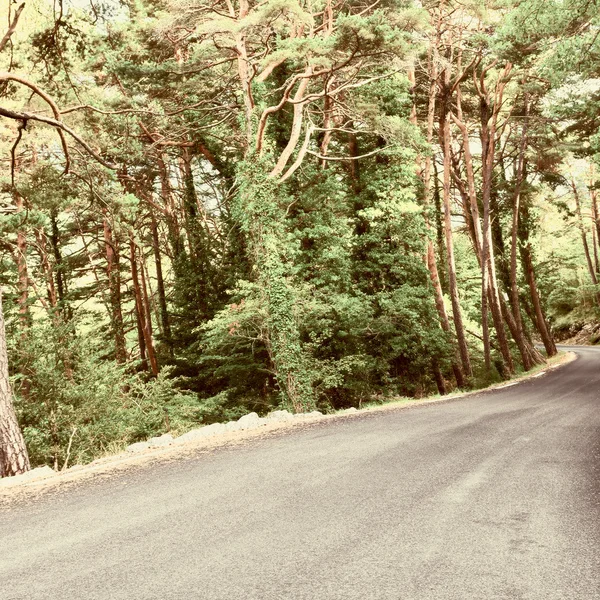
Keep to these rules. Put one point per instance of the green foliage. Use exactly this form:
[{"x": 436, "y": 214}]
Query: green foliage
[
  {"x": 70, "y": 400},
  {"x": 256, "y": 292}
]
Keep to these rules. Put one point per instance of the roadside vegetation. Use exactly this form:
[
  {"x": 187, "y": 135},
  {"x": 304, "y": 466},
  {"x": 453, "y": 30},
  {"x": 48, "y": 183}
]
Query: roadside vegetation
[{"x": 214, "y": 208}]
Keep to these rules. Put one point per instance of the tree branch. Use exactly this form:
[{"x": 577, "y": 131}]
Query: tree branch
[
  {"x": 24, "y": 116},
  {"x": 12, "y": 27}
]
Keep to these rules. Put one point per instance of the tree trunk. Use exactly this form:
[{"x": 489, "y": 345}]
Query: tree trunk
[
  {"x": 23, "y": 273},
  {"x": 596, "y": 222},
  {"x": 488, "y": 145},
  {"x": 144, "y": 331},
  {"x": 160, "y": 284},
  {"x": 586, "y": 247},
  {"x": 475, "y": 229},
  {"x": 430, "y": 258},
  {"x": 114, "y": 289},
  {"x": 14, "y": 459},
  {"x": 450, "y": 262},
  {"x": 261, "y": 217},
  {"x": 514, "y": 287},
  {"x": 148, "y": 319},
  {"x": 540, "y": 318},
  {"x": 59, "y": 268}
]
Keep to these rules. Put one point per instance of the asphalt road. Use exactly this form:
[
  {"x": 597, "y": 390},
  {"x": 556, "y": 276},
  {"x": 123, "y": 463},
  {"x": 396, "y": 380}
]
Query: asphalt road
[{"x": 495, "y": 496}]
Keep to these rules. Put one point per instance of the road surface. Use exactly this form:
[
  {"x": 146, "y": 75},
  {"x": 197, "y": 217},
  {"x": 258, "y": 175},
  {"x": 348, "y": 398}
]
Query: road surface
[{"x": 495, "y": 496}]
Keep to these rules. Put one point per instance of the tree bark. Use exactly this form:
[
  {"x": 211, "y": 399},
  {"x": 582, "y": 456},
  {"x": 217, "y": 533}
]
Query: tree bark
[
  {"x": 488, "y": 118},
  {"x": 160, "y": 285},
  {"x": 514, "y": 287},
  {"x": 114, "y": 288},
  {"x": 444, "y": 124},
  {"x": 14, "y": 459},
  {"x": 540, "y": 318},
  {"x": 586, "y": 247},
  {"x": 430, "y": 258},
  {"x": 144, "y": 329}
]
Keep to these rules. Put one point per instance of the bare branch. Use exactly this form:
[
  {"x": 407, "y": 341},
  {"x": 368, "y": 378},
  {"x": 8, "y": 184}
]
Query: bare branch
[
  {"x": 12, "y": 27},
  {"x": 344, "y": 158},
  {"x": 24, "y": 116},
  {"x": 55, "y": 110}
]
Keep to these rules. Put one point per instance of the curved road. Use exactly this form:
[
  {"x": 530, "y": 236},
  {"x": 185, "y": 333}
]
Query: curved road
[{"x": 496, "y": 496}]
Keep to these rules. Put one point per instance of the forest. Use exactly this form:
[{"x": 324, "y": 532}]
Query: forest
[{"x": 212, "y": 207}]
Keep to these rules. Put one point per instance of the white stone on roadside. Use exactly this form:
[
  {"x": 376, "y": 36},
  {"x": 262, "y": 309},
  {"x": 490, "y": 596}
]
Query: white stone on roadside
[
  {"x": 251, "y": 421},
  {"x": 310, "y": 415},
  {"x": 202, "y": 433},
  {"x": 280, "y": 415},
  {"x": 39, "y": 472},
  {"x": 163, "y": 440},
  {"x": 351, "y": 410},
  {"x": 232, "y": 426},
  {"x": 138, "y": 447}
]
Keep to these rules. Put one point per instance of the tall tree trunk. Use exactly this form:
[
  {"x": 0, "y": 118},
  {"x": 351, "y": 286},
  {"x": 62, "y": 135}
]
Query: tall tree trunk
[
  {"x": 425, "y": 174},
  {"x": 160, "y": 285},
  {"x": 262, "y": 218},
  {"x": 596, "y": 221},
  {"x": 42, "y": 244},
  {"x": 173, "y": 228},
  {"x": 540, "y": 317},
  {"x": 586, "y": 247},
  {"x": 23, "y": 273},
  {"x": 441, "y": 309},
  {"x": 488, "y": 119},
  {"x": 521, "y": 175},
  {"x": 476, "y": 230},
  {"x": 114, "y": 289},
  {"x": 144, "y": 328},
  {"x": 14, "y": 459},
  {"x": 444, "y": 124},
  {"x": 148, "y": 319},
  {"x": 59, "y": 267}
]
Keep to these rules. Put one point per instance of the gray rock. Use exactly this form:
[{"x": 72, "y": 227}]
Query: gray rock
[
  {"x": 351, "y": 410},
  {"x": 232, "y": 426},
  {"x": 280, "y": 416},
  {"x": 310, "y": 415},
  {"x": 39, "y": 473},
  {"x": 138, "y": 447},
  {"x": 315, "y": 413},
  {"x": 202, "y": 433},
  {"x": 251, "y": 421},
  {"x": 163, "y": 440}
]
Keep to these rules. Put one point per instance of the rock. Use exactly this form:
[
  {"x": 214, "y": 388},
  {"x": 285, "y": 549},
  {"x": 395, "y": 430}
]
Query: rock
[
  {"x": 163, "y": 440},
  {"x": 202, "y": 433},
  {"x": 280, "y": 416},
  {"x": 251, "y": 421},
  {"x": 138, "y": 447},
  {"x": 75, "y": 468},
  {"x": 39, "y": 473},
  {"x": 351, "y": 410},
  {"x": 233, "y": 426},
  {"x": 310, "y": 415}
]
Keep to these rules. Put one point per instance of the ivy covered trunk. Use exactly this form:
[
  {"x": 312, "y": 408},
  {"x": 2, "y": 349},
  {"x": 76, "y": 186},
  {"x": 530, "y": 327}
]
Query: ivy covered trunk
[
  {"x": 14, "y": 459},
  {"x": 262, "y": 218}
]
